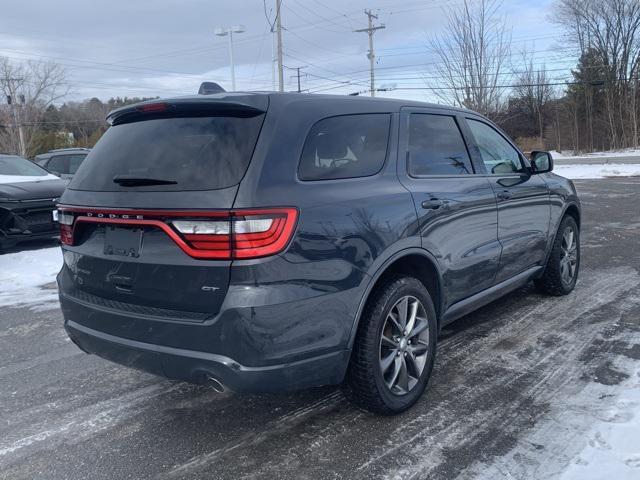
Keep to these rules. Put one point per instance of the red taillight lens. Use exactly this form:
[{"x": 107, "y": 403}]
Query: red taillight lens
[
  {"x": 66, "y": 234},
  {"x": 237, "y": 234},
  {"x": 246, "y": 234},
  {"x": 262, "y": 234},
  {"x": 66, "y": 227}
]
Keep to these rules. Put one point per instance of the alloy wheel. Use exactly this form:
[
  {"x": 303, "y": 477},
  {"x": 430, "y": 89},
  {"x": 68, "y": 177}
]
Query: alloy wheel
[
  {"x": 404, "y": 345},
  {"x": 568, "y": 256}
]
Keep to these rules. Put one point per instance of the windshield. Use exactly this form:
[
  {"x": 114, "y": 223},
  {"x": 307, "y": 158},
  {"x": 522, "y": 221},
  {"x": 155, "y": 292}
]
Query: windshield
[
  {"x": 184, "y": 153},
  {"x": 21, "y": 167}
]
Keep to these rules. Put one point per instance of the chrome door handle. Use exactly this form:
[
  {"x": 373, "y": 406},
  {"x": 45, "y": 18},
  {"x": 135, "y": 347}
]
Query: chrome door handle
[{"x": 504, "y": 195}]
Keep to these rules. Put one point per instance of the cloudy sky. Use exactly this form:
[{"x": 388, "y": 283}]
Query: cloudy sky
[{"x": 167, "y": 47}]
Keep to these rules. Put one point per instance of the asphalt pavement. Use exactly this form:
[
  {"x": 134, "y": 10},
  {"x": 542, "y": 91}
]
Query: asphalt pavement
[{"x": 504, "y": 376}]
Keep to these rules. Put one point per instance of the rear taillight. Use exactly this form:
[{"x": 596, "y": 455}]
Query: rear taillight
[
  {"x": 65, "y": 219},
  {"x": 237, "y": 234}
]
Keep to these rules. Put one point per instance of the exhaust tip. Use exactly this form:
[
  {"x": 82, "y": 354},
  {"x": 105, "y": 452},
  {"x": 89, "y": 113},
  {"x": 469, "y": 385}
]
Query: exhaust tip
[{"x": 215, "y": 384}]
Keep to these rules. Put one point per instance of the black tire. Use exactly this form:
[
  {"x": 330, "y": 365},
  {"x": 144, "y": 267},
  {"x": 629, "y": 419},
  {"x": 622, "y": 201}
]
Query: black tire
[
  {"x": 554, "y": 280},
  {"x": 365, "y": 383}
]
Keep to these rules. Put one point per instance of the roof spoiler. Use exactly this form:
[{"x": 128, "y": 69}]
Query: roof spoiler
[
  {"x": 209, "y": 88},
  {"x": 187, "y": 107}
]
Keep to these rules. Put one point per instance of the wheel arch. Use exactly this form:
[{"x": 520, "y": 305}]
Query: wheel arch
[
  {"x": 573, "y": 210},
  {"x": 416, "y": 262}
]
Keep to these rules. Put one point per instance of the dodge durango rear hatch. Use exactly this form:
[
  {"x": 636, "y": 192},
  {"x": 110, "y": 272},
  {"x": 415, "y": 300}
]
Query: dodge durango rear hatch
[{"x": 150, "y": 210}]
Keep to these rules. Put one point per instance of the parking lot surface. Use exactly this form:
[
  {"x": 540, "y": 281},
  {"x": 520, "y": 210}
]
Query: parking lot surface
[{"x": 515, "y": 393}]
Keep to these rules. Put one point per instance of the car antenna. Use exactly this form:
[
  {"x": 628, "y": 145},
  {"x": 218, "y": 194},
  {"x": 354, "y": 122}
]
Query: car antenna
[{"x": 209, "y": 88}]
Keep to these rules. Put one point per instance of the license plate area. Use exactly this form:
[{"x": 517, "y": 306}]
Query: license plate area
[{"x": 125, "y": 242}]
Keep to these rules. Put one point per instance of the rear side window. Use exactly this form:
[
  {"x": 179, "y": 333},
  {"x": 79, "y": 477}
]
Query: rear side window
[
  {"x": 347, "y": 146},
  {"x": 74, "y": 162},
  {"x": 198, "y": 153},
  {"x": 59, "y": 164},
  {"x": 436, "y": 146}
]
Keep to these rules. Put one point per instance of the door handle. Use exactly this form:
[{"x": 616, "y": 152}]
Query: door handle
[
  {"x": 504, "y": 195},
  {"x": 433, "y": 203}
]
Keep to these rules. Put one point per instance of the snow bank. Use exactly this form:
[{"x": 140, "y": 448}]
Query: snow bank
[
  {"x": 568, "y": 154},
  {"x": 598, "y": 171},
  {"x": 23, "y": 274}
]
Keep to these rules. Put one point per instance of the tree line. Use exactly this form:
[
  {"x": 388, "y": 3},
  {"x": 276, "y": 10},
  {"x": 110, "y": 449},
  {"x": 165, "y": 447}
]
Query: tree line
[{"x": 596, "y": 109}]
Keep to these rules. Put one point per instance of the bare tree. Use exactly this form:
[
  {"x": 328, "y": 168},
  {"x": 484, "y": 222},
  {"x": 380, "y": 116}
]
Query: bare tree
[
  {"x": 533, "y": 92},
  {"x": 611, "y": 29},
  {"x": 473, "y": 56},
  {"x": 30, "y": 87}
]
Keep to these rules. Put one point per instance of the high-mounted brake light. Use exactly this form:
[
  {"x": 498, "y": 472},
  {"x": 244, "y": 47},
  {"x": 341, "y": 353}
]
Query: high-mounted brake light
[
  {"x": 152, "y": 107},
  {"x": 236, "y": 234}
]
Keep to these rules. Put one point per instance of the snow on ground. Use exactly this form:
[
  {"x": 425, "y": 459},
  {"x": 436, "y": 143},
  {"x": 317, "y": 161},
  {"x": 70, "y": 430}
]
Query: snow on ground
[
  {"x": 598, "y": 171},
  {"x": 568, "y": 154},
  {"x": 23, "y": 275},
  {"x": 613, "y": 449}
]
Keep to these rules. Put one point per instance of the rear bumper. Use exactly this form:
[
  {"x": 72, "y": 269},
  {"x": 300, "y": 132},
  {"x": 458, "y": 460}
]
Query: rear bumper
[{"x": 197, "y": 367}]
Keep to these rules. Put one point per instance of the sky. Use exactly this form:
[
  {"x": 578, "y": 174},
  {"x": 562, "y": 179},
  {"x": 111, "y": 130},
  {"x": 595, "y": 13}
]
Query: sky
[{"x": 168, "y": 47}]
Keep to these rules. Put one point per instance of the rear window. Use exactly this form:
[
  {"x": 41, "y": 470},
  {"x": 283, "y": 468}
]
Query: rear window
[
  {"x": 199, "y": 153},
  {"x": 345, "y": 147}
]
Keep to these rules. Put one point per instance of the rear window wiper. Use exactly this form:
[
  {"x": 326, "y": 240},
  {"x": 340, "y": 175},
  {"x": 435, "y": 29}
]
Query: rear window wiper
[{"x": 133, "y": 181}]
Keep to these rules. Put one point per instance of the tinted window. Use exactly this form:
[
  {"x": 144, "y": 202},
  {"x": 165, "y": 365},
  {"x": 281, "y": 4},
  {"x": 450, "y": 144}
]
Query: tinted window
[
  {"x": 497, "y": 154},
  {"x": 345, "y": 147},
  {"x": 59, "y": 164},
  {"x": 199, "y": 153},
  {"x": 74, "y": 163},
  {"x": 436, "y": 146},
  {"x": 20, "y": 166}
]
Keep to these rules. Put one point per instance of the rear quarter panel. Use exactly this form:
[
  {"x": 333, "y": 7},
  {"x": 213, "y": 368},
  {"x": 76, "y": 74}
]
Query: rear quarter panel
[{"x": 346, "y": 230}]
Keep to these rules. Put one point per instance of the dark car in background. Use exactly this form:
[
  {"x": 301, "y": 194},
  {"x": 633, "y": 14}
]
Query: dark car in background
[
  {"x": 62, "y": 162},
  {"x": 265, "y": 242},
  {"x": 28, "y": 195}
]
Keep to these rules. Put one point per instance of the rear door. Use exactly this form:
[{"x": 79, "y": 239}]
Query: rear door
[
  {"x": 148, "y": 213},
  {"x": 522, "y": 198},
  {"x": 456, "y": 208}
]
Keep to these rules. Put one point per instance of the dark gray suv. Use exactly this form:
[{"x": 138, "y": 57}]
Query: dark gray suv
[
  {"x": 63, "y": 162},
  {"x": 264, "y": 242}
]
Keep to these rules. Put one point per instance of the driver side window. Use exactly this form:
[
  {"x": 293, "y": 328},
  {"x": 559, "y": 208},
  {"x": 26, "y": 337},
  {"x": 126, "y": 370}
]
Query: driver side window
[{"x": 498, "y": 156}]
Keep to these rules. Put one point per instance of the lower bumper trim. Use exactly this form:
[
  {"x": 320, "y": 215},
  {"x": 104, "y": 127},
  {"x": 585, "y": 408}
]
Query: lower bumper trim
[{"x": 195, "y": 366}]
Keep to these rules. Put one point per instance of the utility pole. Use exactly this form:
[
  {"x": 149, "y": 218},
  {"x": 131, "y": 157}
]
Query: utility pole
[
  {"x": 371, "y": 54},
  {"x": 11, "y": 100},
  {"x": 273, "y": 58},
  {"x": 297, "y": 69},
  {"x": 279, "y": 38}
]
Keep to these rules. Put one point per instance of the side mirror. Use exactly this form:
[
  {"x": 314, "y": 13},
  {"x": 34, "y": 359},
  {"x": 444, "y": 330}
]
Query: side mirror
[{"x": 541, "y": 162}]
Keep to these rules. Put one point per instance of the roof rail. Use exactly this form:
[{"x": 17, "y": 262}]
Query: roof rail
[{"x": 68, "y": 148}]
